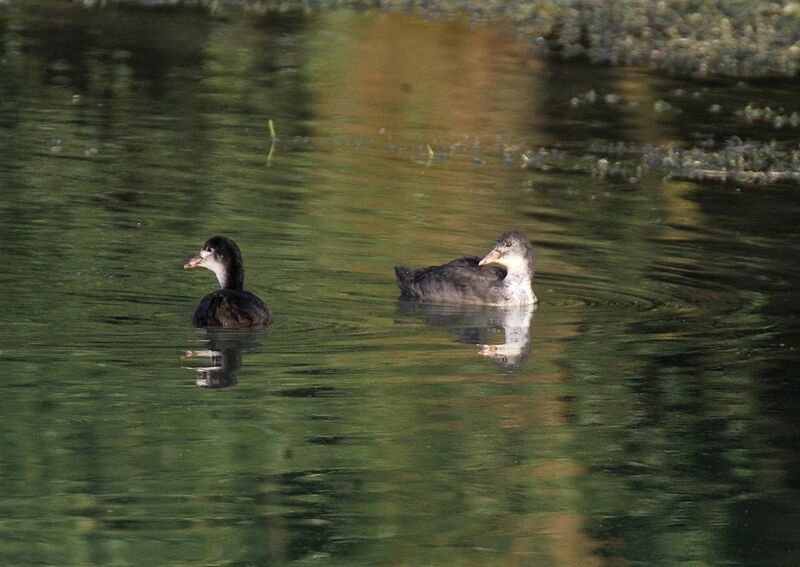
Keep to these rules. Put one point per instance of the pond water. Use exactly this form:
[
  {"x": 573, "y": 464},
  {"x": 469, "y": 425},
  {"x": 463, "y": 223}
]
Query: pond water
[{"x": 645, "y": 413}]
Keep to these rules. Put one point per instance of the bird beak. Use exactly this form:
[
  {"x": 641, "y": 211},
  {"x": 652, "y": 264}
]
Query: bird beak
[
  {"x": 492, "y": 257},
  {"x": 193, "y": 263}
]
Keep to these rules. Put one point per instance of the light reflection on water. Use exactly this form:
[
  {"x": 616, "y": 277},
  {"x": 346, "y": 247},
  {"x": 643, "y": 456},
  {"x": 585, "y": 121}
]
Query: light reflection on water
[
  {"x": 644, "y": 413},
  {"x": 475, "y": 325}
]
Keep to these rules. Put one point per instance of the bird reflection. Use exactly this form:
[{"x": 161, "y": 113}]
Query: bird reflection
[
  {"x": 472, "y": 324},
  {"x": 224, "y": 349}
]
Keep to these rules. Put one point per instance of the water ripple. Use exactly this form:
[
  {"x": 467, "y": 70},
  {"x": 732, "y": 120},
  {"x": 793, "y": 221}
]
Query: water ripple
[{"x": 596, "y": 295}]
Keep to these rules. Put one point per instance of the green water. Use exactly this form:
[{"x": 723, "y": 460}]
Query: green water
[{"x": 646, "y": 413}]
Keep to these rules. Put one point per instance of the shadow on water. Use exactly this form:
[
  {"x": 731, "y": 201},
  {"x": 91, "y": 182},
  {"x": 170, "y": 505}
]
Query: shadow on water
[
  {"x": 224, "y": 349},
  {"x": 479, "y": 325}
]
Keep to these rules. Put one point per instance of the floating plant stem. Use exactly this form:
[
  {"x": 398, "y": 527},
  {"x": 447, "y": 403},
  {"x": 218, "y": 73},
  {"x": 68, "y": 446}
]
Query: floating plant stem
[
  {"x": 431, "y": 155},
  {"x": 273, "y": 137}
]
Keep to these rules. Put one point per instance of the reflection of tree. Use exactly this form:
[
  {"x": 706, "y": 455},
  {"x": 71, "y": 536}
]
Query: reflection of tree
[
  {"x": 679, "y": 438},
  {"x": 137, "y": 113},
  {"x": 394, "y": 74},
  {"x": 72, "y": 45}
]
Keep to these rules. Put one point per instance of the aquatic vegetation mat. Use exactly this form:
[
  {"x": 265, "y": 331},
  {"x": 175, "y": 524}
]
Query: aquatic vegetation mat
[
  {"x": 733, "y": 38},
  {"x": 735, "y": 160}
]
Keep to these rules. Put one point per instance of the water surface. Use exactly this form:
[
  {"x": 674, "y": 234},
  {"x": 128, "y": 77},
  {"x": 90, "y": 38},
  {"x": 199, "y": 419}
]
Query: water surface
[{"x": 645, "y": 413}]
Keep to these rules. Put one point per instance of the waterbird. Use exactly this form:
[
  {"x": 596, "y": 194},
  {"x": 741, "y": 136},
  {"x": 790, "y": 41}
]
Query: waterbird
[
  {"x": 502, "y": 277},
  {"x": 230, "y": 306}
]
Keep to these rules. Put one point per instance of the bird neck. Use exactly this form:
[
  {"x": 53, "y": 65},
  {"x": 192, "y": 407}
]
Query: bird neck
[
  {"x": 517, "y": 288},
  {"x": 518, "y": 270},
  {"x": 232, "y": 277}
]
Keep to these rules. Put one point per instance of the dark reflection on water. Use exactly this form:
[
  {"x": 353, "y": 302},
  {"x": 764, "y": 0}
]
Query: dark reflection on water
[
  {"x": 655, "y": 422},
  {"x": 475, "y": 324},
  {"x": 223, "y": 350}
]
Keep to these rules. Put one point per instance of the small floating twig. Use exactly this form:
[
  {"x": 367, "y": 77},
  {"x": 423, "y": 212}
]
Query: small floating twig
[
  {"x": 431, "y": 155},
  {"x": 272, "y": 145}
]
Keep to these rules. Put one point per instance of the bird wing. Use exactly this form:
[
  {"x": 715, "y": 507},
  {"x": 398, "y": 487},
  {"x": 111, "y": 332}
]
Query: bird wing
[{"x": 459, "y": 279}]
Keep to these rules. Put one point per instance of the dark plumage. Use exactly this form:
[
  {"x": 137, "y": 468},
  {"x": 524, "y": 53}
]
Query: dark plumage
[
  {"x": 459, "y": 280},
  {"x": 502, "y": 277},
  {"x": 230, "y": 306}
]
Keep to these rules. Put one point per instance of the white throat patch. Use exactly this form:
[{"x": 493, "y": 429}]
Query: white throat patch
[
  {"x": 210, "y": 262},
  {"x": 515, "y": 265}
]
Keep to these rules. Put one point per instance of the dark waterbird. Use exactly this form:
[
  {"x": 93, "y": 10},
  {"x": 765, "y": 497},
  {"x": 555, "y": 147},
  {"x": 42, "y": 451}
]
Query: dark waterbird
[
  {"x": 501, "y": 277},
  {"x": 230, "y": 306}
]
